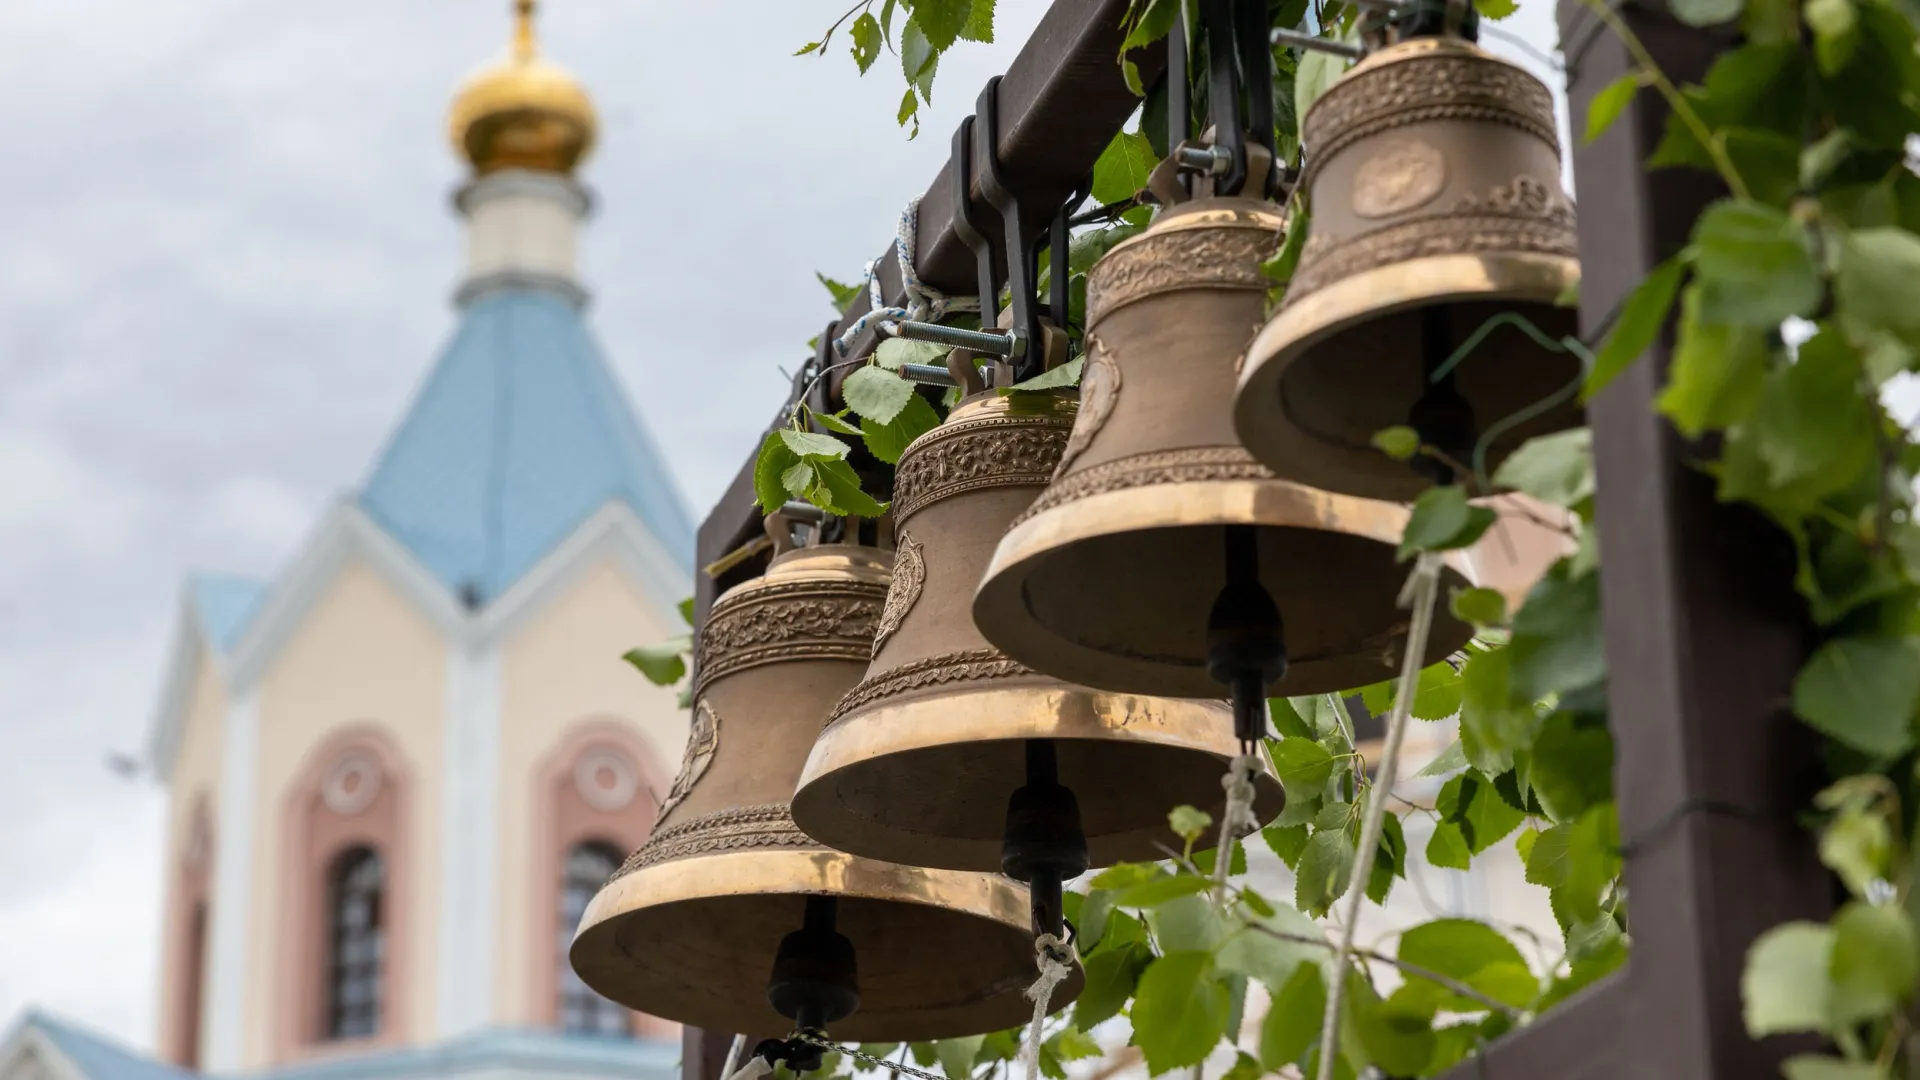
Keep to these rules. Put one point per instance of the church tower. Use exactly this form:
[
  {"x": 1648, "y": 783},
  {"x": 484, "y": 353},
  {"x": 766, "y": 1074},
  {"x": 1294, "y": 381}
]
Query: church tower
[{"x": 398, "y": 768}]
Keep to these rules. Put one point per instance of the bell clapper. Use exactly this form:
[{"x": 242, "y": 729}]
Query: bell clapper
[
  {"x": 1442, "y": 416},
  {"x": 814, "y": 981},
  {"x": 1246, "y": 642},
  {"x": 1044, "y": 844}
]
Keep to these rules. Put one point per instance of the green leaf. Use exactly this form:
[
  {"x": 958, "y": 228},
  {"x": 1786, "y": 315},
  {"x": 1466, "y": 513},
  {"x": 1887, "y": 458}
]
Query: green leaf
[
  {"x": 1293, "y": 1019},
  {"x": 834, "y": 424},
  {"x": 1787, "y": 986},
  {"x": 1253, "y": 952},
  {"x": 1717, "y": 375},
  {"x": 1836, "y": 30},
  {"x": 774, "y": 460},
  {"x": 1317, "y": 71},
  {"x": 1492, "y": 723},
  {"x": 1287, "y": 841},
  {"x": 888, "y": 441},
  {"x": 957, "y": 1056},
  {"x": 1592, "y": 860},
  {"x": 1447, "y": 847},
  {"x": 685, "y": 608},
  {"x": 1556, "y": 469},
  {"x": 1442, "y": 520},
  {"x": 1858, "y": 846},
  {"x": 1161, "y": 890},
  {"x": 1457, "y": 947},
  {"x": 1610, "y": 102},
  {"x": 842, "y": 293},
  {"x": 664, "y": 663},
  {"x": 866, "y": 48},
  {"x": 1126, "y": 875},
  {"x": 1875, "y": 962},
  {"x": 1398, "y": 443},
  {"x": 1121, "y": 169},
  {"x": 1706, "y": 12},
  {"x": 1188, "y": 922},
  {"x": 1812, "y": 424},
  {"x": 1180, "y": 1011},
  {"x": 893, "y": 352},
  {"x": 1396, "y": 1035},
  {"x": 1188, "y": 822},
  {"x": 1438, "y": 696},
  {"x": 1482, "y": 815},
  {"x": 1072, "y": 1044},
  {"x": 1152, "y": 20},
  {"x": 1111, "y": 977},
  {"x": 1557, "y": 646},
  {"x": 1550, "y": 860},
  {"x": 838, "y": 492},
  {"x": 807, "y": 48},
  {"x": 1572, "y": 766},
  {"x": 979, "y": 27},
  {"x": 941, "y": 21},
  {"x": 1496, "y": 9},
  {"x": 1641, "y": 316},
  {"x": 1446, "y": 762},
  {"x": 1862, "y": 691},
  {"x": 1879, "y": 277},
  {"x": 1818, "y": 1067},
  {"x": 1480, "y": 606},
  {"x": 810, "y": 444},
  {"x": 876, "y": 394},
  {"x": 1754, "y": 264},
  {"x": 1287, "y": 721},
  {"x": 1303, "y": 766},
  {"x": 799, "y": 480},
  {"x": 1324, "y": 870}
]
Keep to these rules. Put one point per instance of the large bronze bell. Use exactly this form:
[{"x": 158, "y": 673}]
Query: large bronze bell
[
  {"x": 920, "y": 762},
  {"x": 731, "y": 918},
  {"x": 1118, "y": 575},
  {"x": 1434, "y": 175}
]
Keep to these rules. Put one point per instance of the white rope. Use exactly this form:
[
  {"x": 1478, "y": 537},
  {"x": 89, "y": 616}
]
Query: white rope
[
  {"x": 733, "y": 1055},
  {"x": 1054, "y": 958},
  {"x": 755, "y": 1068},
  {"x": 1238, "y": 819},
  {"x": 1419, "y": 594},
  {"x": 924, "y": 302}
]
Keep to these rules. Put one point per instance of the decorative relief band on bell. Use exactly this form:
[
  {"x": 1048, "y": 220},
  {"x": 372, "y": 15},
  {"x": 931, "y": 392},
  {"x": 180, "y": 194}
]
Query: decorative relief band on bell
[
  {"x": 909, "y": 574},
  {"x": 741, "y": 828},
  {"x": 1099, "y": 393},
  {"x": 802, "y": 620},
  {"x": 1218, "y": 257},
  {"x": 1189, "y": 465},
  {"x": 999, "y": 452},
  {"x": 1424, "y": 89},
  {"x": 1524, "y": 215},
  {"x": 973, "y": 665},
  {"x": 702, "y": 740}
]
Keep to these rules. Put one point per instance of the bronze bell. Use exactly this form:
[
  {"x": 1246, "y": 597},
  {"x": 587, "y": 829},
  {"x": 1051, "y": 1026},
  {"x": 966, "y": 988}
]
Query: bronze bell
[
  {"x": 1142, "y": 566},
  {"x": 1434, "y": 175},
  {"x": 731, "y": 918},
  {"x": 920, "y": 761}
]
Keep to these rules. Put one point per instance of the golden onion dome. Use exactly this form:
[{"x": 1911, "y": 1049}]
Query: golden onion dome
[{"x": 522, "y": 112}]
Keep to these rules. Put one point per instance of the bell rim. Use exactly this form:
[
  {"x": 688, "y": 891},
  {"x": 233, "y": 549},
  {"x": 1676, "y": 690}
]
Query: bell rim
[
  {"x": 828, "y": 564},
  {"x": 999, "y": 610},
  {"x": 808, "y": 871},
  {"x": 1066, "y": 712},
  {"x": 1528, "y": 277}
]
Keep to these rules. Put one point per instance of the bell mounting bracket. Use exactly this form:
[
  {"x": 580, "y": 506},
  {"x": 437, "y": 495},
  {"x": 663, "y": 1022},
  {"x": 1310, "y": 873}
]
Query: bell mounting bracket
[{"x": 1239, "y": 97}]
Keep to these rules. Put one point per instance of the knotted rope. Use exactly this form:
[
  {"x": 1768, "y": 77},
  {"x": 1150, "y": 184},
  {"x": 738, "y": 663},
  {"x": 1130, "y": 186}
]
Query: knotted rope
[
  {"x": 1238, "y": 819},
  {"x": 1054, "y": 958},
  {"x": 924, "y": 302},
  {"x": 1419, "y": 594}
]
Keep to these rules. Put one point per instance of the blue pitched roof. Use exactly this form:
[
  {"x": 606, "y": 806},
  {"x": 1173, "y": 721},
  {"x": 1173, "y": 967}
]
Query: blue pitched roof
[
  {"x": 518, "y": 435},
  {"x": 99, "y": 1057},
  {"x": 224, "y": 603}
]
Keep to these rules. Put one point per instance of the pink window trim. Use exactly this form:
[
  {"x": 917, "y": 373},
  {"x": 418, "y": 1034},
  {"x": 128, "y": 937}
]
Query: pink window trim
[
  {"x": 313, "y": 835},
  {"x": 562, "y": 818},
  {"x": 184, "y": 998}
]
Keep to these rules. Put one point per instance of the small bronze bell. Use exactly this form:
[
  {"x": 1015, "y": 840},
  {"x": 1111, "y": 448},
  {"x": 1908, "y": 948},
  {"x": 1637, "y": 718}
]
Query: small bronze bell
[
  {"x": 919, "y": 761},
  {"x": 1434, "y": 175},
  {"x": 728, "y": 891},
  {"x": 1134, "y": 570}
]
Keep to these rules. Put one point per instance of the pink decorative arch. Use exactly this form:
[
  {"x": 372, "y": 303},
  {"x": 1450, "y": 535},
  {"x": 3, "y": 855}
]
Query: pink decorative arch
[
  {"x": 353, "y": 790},
  {"x": 186, "y": 935},
  {"x": 601, "y": 783}
]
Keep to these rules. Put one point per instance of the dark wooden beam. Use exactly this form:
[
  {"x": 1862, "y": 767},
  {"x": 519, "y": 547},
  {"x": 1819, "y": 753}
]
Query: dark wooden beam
[
  {"x": 1061, "y": 101},
  {"x": 703, "y": 1053}
]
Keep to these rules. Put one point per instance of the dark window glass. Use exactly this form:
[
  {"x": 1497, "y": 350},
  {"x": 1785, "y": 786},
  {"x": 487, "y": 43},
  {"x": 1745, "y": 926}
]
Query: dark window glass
[
  {"x": 582, "y": 1011},
  {"x": 356, "y": 932}
]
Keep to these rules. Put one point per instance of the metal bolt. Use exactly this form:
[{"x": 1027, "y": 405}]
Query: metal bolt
[{"x": 981, "y": 341}]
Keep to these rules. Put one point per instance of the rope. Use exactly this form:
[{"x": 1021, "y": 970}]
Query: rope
[
  {"x": 756, "y": 1068},
  {"x": 857, "y": 1054},
  {"x": 1054, "y": 958},
  {"x": 924, "y": 302},
  {"x": 733, "y": 1055},
  {"x": 1419, "y": 594},
  {"x": 1238, "y": 819}
]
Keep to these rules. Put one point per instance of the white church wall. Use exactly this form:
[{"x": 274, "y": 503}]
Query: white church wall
[{"x": 193, "y": 791}]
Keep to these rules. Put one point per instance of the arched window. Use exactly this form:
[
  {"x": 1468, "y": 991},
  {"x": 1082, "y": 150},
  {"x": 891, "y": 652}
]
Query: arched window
[
  {"x": 588, "y": 866},
  {"x": 356, "y": 959}
]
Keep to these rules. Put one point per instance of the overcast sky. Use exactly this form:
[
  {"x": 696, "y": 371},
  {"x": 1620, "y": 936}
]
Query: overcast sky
[{"x": 226, "y": 256}]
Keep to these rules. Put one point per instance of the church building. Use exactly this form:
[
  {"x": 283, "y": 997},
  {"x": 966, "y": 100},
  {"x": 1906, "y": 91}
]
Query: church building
[{"x": 398, "y": 770}]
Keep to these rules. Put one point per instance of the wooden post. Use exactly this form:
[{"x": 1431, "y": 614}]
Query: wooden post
[{"x": 703, "y": 1053}]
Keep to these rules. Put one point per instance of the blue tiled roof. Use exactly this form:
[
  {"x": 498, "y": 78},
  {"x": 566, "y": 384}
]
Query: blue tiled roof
[
  {"x": 519, "y": 434},
  {"x": 99, "y": 1057},
  {"x": 224, "y": 603}
]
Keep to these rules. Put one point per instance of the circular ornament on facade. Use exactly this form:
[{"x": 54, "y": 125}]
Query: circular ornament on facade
[
  {"x": 1403, "y": 175},
  {"x": 351, "y": 785},
  {"x": 606, "y": 779}
]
